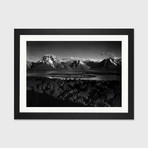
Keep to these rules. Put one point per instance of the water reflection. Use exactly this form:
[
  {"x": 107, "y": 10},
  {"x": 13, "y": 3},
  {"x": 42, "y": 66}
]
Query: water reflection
[{"x": 75, "y": 76}]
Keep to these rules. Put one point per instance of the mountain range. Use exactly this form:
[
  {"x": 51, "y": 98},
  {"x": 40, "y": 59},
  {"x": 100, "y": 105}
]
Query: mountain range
[{"x": 51, "y": 62}]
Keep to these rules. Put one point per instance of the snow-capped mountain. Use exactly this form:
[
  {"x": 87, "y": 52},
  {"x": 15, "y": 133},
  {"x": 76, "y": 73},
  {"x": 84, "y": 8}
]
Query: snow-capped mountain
[
  {"x": 110, "y": 64},
  {"x": 51, "y": 62},
  {"x": 78, "y": 65},
  {"x": 48, "y": 59},
  {"x": 47, "y": 62}
]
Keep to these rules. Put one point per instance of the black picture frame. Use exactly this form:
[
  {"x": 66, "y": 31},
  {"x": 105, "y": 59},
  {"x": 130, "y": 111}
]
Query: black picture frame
[{"x": 36, "y": 115}]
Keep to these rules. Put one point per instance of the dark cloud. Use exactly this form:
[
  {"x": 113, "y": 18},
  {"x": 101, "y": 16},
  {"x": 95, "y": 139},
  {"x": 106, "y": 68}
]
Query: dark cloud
[{"x": 82, "y": 49}]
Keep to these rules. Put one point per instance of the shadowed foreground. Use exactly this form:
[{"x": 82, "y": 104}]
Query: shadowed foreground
[{"x": 44, "y": 92}]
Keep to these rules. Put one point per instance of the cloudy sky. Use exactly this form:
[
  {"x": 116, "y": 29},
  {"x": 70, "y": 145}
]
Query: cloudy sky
[{"x": 81, "y": 49}]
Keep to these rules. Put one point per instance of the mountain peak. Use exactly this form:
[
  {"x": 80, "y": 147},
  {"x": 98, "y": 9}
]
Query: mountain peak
[
  {"x": 52, "y": 56},
  {"x": 109, "y": 61},
  {"x": 48, "y": 59},
  {"x": 51, "y": 62}
]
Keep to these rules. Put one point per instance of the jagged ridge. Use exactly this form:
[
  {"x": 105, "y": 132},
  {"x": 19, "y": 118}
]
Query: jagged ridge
[{"x": 51, "y": 62}]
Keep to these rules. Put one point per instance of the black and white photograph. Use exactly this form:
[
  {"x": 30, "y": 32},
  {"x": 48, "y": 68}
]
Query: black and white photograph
[{"x": 74, "y": 74}]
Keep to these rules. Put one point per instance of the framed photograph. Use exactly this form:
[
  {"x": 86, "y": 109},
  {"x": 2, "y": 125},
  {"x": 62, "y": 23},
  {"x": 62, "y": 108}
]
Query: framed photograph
[{"x": 74, "y": 73}]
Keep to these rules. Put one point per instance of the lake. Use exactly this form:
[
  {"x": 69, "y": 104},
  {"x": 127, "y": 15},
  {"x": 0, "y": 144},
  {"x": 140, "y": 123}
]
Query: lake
[{"x": 71, "y": 75}]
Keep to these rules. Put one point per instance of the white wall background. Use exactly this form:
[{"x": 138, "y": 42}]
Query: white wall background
[{"x": 68, "y": 133}]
